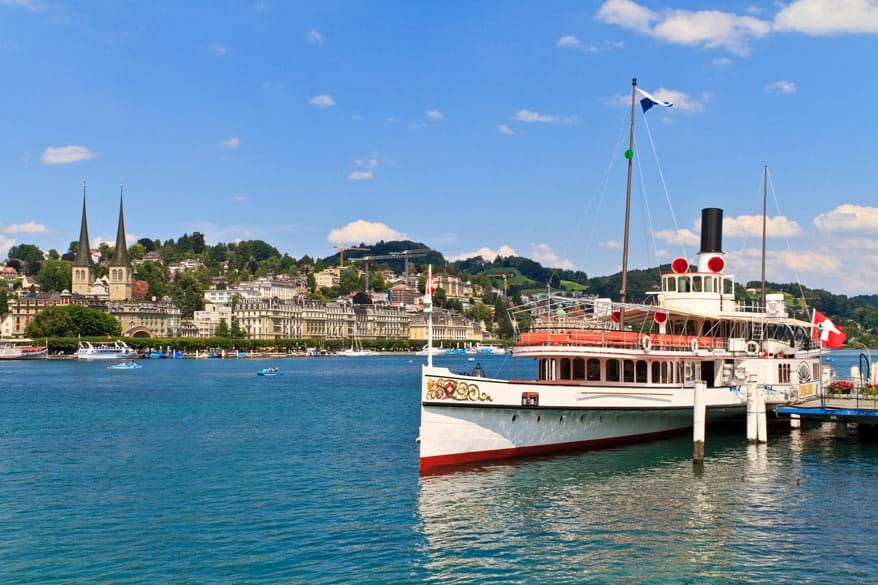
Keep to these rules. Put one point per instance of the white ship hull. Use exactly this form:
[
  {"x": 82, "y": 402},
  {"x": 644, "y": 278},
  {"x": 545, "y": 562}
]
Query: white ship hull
[{"x": 467, "y": 419}]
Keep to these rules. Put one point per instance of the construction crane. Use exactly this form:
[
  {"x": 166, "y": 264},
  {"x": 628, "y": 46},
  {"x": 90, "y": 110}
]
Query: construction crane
[
  {"x": 341, "y": 250},
  {"x": 504, "y": 276},
  {"x": 405, "y": 254}
]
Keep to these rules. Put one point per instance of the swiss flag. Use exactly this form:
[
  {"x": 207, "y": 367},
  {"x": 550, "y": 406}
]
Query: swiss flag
[{"x": 830, "y": 334}]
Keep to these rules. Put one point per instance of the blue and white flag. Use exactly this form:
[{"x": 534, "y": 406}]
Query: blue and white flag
[{"x": 648, "y": 101}]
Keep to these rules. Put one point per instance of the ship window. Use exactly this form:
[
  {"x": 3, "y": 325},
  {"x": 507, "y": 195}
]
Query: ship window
[
  {"x": 683, "y": 284},
  {"x": 671, "y": 284},
  {"x": 579, "y": 369},
  {"x": 696, "y": 284},
  {"x": 656, "y": 371},
  {"x": 728, "y": 286},
  {"x": 783, "y": 373},
  {"x": 565, "y": 368},
  {"x": 628, "y": 370},
  {"x": 710, "y": 284},
  {"x": 594, "y": 370},
  {"x": 612, "y": 370},
  {"x": 640, "y": 371}
]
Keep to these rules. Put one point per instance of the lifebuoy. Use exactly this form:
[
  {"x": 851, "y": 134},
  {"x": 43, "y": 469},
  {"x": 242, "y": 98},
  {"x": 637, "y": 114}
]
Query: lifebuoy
[
  {"x": 694, "y": 345},
  {"x": 646, "y": 343},
  {"x": 741, "y": 372},
  {"x": 752, "y": 347}
]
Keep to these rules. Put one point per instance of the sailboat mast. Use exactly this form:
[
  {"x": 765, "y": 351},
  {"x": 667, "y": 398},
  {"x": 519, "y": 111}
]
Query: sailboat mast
[
  {"x": 764, "y": 221},
  {"x": 629, "y": 154}
]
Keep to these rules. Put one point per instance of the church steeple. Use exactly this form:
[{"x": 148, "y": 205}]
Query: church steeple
[
  {"x": 83, "y": 265},
  {"x": 83, "y": 251},
  {"x": 120, "y": 254},
  {"x": 120, "y": 269}
]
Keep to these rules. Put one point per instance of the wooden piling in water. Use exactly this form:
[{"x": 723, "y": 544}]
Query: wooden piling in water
[{"x": 699, "y": 418}]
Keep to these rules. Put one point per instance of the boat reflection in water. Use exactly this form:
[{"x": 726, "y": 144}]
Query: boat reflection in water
[{"x": 636, "y": 514}]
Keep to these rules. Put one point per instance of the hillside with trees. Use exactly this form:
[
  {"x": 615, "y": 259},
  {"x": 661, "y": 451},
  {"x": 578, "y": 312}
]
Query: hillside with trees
[{"x": 502, "y": 280}]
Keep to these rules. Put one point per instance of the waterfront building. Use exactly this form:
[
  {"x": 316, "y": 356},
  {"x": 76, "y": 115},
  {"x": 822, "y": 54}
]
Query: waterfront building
[
  {"x": 24, "y": 308},
  {"x": 448, "y": 326},
  {"x": 147, "y": 318},
  {"x": 206, "y": 321}
]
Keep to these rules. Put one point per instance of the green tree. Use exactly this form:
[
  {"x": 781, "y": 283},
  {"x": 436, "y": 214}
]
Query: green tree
[
  {"x": 55, "y": 276},
  {"x": 26, "y": 253},
  {"x": 50, "y": 322},
  {"x": 136, "y": 251},
  {"x": 237, "y": 332},
  {"x": 481, "y": 312},
  {"x": 222, "y": 330},
  {"x": 92, "y": 322},
  {"x": 350, "y": 281},
  {"x": 187, "y": 294},
  {"x": 439, "y": 298},
  {"x": 4, "y": 301},
  {"x": 154, "y": 275}
]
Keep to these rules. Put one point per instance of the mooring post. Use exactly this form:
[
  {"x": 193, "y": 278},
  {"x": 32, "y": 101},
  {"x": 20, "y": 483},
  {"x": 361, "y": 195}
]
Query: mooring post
[
  {"x": 699, "y": 418},
  {"x": 761, "y": 416},
  {"x": 752, "y": 422}
]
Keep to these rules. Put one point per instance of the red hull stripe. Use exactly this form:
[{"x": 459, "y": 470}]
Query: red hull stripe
[{"x": 440, "y": 463}]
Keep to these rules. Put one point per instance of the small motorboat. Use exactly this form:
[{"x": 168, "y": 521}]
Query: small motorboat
[
  {"x": 125, "y": 366},
  {"x": 272, "y": 371}
]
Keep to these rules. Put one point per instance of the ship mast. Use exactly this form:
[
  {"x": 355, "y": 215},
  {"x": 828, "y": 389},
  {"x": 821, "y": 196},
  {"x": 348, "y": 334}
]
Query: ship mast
[
  {"x": 764, "y": 221},
  {"x": 629, "y": 154}
]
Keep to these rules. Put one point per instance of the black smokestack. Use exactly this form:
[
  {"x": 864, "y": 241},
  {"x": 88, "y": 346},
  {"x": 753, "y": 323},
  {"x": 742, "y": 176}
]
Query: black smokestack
[{"x": 711, "y": 230}]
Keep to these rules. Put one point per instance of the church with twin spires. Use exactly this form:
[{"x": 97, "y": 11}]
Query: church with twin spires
[
  {"x": 119, "y": 274},
  {"x": 139, "y": 318}
]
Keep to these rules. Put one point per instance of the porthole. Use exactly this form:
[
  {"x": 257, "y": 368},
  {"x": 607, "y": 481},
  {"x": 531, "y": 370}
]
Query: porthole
[
  {"x": 539, "y": 418},
  {"x": 561, "y": 418},
  {"x": 581, "y": 418},
  {"x": 514, "y": 416}
]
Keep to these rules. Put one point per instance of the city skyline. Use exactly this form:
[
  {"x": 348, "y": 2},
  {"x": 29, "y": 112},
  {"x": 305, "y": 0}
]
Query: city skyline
[{"x": 471, "y": 127}]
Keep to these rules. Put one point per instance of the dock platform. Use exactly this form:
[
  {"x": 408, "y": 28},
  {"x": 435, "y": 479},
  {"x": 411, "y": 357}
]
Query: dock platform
[{"x": 856, "y": 409}]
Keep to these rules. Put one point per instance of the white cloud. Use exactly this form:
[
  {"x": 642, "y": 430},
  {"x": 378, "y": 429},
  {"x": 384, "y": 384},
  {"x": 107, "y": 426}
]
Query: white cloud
[
  {"x": 239, "y": 198},
  {"x": 709, "y": 29},
  {"x": 611, "y": 245},
  {"x": 30, "y": 227},
  {"x": 61, "y": 155},
  {"x": 569, "y": 41},
  {"x": 219, "y": 49},
  {"x": 360, "y": 176},
  {"x": 314, "y": 38},
  {"x": 749, "y": 226},
  {"x": 722, "y": 61},
  {"x": 435, "y": 115},
  {"x": 233, "y": 142},
  {"x": 685, "y": 237},
  {"x": 5, "y": 245},
  {"x": 486, "y": 253},
  {"x": 28, "y": 4},
  {"x": 848, "y": 218},
  {"x": 781, "y": 87},
  {"x": 367, "y": 232},
  {"x": 324, "y": 100},
  {"x": 824, "y": 17},
  {"x": 627, "y": 14},
  {"x": 504, "y": 129},
  {"x": 531, "y": 116},
  {"x": 545, "y": 255}
]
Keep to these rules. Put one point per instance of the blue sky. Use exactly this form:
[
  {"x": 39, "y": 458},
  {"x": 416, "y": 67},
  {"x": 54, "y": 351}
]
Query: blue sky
[{"x": 492, "y": 127}]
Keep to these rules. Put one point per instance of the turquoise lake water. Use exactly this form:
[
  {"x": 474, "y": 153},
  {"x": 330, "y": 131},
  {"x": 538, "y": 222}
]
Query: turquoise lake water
[{"x": 196, "y": 471}]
